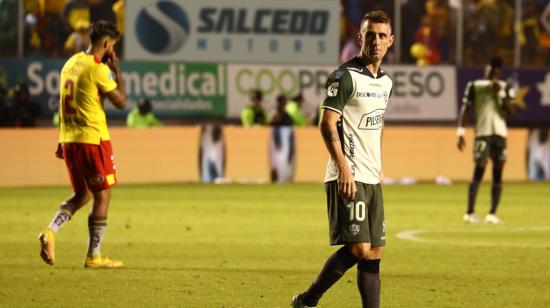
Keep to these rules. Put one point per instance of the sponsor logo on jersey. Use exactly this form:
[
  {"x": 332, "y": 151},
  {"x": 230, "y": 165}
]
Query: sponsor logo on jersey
[
  {"x": 372, "y": 120},
  {"x": 332, "y": 89},
  {"x": 372, "y": 95},
  {"x": 359, "y": 70}
]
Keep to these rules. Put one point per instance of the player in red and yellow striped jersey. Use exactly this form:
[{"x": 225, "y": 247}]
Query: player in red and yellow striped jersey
[{"x": 84, "y": 141}]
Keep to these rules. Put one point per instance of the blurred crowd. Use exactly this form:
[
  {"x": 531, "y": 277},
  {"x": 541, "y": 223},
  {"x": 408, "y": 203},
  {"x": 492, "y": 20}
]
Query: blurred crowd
[
  {"x": 18, "y": 110},
  {"x": 56, "y": 28},
  {"x": 288, "y": 111},
  {"x": 429, "y": 30}
]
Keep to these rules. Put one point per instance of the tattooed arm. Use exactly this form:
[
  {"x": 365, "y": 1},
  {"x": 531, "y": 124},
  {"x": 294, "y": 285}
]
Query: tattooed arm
[{"x": 329, "y": 131}]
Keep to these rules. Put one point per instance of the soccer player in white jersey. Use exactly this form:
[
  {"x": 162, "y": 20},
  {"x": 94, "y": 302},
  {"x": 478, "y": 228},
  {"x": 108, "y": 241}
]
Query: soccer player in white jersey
[
  {"x": 491, "y": 99},
  {"x": 351, "y": 126}
]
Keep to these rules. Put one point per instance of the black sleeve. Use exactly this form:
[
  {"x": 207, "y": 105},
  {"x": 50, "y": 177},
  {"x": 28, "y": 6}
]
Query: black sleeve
[{"x": 469, "y": 93}]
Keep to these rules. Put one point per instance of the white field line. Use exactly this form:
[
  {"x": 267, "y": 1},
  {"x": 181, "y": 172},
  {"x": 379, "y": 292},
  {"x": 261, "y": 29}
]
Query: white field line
[{"x": 415, "y": 236}]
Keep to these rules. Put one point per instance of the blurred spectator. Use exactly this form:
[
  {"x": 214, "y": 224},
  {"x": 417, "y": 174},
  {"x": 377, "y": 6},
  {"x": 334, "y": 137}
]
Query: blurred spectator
[
  {"x": 278, "y": 116},
  {"x": 51, "y": 27},
  {"x": 55, "y": 119},
  {"x": 426, "y": 47},
  {"x": 142, "y": 115},
  {"x": 73, "y": 12},
  {"x": 438, "y": 12},
  {"x": 32, "y": 42},
  {"x": 8, "y": 27},
  {"x": 411, "y": 11},
  {"x": 351, "y": 46},
  {"x": 79, "y": 39},
  {"x": 529, "y": 34},
  {"x": 24, "y": 111},
  {"x": 545, "y": 35},
  {"x": 254, "y": 114},
  {"x": 294, "y": 110},
  {"x": 5, "y": 116},
  {"x": 102, "y": 10},
  {"x": 212, "y": 153},
  {"x": 538, "y": 154},
  {"x": 118, "y": 9},
  {"x": 478, "y": 34}
]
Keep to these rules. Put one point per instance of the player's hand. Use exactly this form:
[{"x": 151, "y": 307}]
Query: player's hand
[
  {"x": 59, "y": 151},
  {"x": 346, "y": 185},
  {"x": 460, "y": 143},
  {"x": 114, "y": 62}
]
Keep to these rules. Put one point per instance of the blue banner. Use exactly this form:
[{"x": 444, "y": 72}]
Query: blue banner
[{"x": 174, "y": 88}]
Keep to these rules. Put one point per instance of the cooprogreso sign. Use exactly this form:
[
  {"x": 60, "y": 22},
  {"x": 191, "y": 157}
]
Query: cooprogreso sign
[
  {"x": 241, "y": 31},
  {"x": 418, "y": 94}
]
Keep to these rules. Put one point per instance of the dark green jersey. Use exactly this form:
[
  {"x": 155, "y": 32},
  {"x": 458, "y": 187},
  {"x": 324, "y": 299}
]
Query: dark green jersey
[{"x": 361, "y": 98}]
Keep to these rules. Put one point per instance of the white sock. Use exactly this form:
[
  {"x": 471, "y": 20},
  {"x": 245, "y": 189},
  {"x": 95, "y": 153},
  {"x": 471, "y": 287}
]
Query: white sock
[{"x": 59, "y": 220}]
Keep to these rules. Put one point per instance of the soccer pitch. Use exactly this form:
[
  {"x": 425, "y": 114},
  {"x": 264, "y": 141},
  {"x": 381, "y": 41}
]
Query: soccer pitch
[{"x": 191, "y": 245}]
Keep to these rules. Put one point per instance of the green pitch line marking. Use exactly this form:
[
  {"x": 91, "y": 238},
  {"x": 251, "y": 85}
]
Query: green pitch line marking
[{"x": 416, "y": 236}]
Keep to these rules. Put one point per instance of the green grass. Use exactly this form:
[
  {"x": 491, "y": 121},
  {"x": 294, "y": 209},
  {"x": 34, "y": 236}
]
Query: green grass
[{"x": 196, "y": 245}]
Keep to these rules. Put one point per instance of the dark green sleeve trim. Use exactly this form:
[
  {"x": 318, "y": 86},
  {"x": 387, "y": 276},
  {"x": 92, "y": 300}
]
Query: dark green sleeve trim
[
  {"x": 469, "y": 93},
  {"x": 339, "y": 88}
]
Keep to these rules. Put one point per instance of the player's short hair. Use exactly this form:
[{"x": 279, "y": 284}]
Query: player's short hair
[
  {"x": 495, "y": 62},
  {"x": 379, "y": 17},
  {"x": 102, "y": 28}
]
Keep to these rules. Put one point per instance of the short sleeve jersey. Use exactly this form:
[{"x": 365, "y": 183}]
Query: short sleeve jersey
[
  {"x": 84, "y": 80},
  {"x": 361, "y": 99},
  {"x": 488, "y": 106}
]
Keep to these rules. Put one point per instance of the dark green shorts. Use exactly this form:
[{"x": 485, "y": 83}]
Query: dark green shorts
[
  {"x": 490, "y": 146},
  {"x": 361, "y": 220}
]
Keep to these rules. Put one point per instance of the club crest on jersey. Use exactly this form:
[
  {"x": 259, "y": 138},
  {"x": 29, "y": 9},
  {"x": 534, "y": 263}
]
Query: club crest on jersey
[
  {"x": 332, "y": 89},
  {"x": 372, "y": 120},
  {"x": 354, "y": 229}
]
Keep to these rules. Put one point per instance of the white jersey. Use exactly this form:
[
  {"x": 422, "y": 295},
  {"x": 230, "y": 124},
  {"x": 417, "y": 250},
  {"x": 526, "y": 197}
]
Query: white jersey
[
  {"x": 361, "y": 99},
  {"x": 489, "y": 110}
]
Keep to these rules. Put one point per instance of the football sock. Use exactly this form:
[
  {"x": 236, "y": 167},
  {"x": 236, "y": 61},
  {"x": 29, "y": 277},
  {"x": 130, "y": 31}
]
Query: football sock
[
  {"x": 474, "y": 186},
  {"x": 335, "y": 267},
  {"x": 496, "y": 189},
  {"x": 97, "y": 227},
  {"x": 368, "y": 282},
  {"x": 60, "y": 218}
]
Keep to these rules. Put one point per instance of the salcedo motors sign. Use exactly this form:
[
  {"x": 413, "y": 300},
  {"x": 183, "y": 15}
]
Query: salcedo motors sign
[{"x": 285, "y": 31}]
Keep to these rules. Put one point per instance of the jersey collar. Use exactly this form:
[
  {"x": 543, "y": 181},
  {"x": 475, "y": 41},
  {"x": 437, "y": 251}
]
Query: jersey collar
[{"x": 356, "y": 65}]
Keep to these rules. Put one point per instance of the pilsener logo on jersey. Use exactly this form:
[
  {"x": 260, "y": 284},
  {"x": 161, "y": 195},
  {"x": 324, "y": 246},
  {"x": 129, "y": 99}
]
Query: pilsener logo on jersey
[{"x": 372, "y": 120}]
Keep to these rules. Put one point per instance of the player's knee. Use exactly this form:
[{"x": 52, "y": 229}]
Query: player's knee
[
  {"x": 364, "y": 251},
  {"x": 79, "y": 199},
  {"x": 375, "y": 253}
]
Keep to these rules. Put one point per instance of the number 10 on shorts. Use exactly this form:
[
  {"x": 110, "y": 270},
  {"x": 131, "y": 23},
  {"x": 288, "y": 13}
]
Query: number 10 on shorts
[{"x": 357, "y": 210}]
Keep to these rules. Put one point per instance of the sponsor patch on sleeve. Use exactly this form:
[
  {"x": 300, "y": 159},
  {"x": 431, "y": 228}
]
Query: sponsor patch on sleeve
[{"x": 332, "y": 89}]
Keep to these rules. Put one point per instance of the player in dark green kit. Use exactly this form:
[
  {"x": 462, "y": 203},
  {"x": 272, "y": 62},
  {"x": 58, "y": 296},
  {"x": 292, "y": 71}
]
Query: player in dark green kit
[
  {"x": 351, "y": 126},
  {"x": 491, "y": 99}
]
